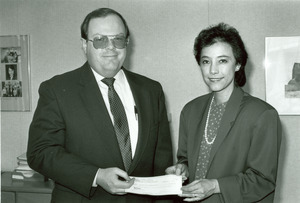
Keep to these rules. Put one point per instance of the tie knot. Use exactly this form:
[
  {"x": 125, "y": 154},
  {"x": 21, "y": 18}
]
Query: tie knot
[{"x": 108, "y": 81}]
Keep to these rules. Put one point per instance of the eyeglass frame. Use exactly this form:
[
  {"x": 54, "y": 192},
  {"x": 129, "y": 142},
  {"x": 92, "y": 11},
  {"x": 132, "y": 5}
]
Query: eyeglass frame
[{"x": 110, "y": 38}]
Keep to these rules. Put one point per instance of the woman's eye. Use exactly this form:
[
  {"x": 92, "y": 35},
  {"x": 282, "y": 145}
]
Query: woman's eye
[
  {"x": 223, "y": 61},
  {"x": 205, "y": 62}
]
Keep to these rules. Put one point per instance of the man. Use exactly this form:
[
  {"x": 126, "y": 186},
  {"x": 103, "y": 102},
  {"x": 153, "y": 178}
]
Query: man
[
  {"x": 74, "y": 138},
  {"x": 11, "y": 72}
]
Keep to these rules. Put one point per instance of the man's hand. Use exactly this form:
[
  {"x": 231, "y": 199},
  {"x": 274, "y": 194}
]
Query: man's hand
[
  {"x": 200, "y": 189},
  {"x": 180, "y": 170},
  {"x": 114, "y": 180}
]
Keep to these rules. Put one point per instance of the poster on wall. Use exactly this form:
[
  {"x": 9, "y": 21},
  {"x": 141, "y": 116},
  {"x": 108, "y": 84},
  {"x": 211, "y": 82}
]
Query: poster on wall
[
  {"x": 14, "y": 73},
  {"x": 282, "y": 65}
]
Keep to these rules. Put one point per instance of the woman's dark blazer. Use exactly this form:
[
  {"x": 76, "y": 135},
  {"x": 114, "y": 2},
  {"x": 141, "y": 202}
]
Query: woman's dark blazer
[{"x": 244, "y": 156}]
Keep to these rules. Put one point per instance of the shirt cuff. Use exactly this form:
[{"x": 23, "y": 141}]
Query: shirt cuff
[{"x": 95, "y": 182}]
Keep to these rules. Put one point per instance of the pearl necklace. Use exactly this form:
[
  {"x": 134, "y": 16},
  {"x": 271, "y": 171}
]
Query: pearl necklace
[{"x": 206, "y": 124}]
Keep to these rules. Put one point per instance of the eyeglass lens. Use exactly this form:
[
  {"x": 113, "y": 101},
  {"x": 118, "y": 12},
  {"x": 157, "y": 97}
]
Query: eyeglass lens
[{"x": 118, "y": 42}]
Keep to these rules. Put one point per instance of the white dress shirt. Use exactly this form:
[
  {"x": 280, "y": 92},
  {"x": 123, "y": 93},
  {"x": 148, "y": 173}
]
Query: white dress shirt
[{"x": 122, "y": 88}]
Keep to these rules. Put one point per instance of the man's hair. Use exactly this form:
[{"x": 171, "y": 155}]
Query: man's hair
[
  {"x": 100, "y": 13},
  {"x": 224, "y": 33}
]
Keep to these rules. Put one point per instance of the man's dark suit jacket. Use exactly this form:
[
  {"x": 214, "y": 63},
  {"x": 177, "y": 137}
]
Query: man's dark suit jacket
[
  {"x": 244, "y": 156},
  {"x": 72, "y": 135}
]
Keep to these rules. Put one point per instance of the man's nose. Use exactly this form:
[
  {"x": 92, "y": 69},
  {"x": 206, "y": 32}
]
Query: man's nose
[{"x": 110, "y": 44}]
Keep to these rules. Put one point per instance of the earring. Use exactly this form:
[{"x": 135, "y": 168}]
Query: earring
[{"x": 237, "y": 68}]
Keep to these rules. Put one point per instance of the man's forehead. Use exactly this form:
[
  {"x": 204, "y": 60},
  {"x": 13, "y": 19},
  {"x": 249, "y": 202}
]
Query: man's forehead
[{"x": 111, "y": 24}]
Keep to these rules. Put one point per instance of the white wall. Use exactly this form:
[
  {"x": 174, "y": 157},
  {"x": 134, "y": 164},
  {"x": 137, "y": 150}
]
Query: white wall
[{"x": 161, "y": 48}]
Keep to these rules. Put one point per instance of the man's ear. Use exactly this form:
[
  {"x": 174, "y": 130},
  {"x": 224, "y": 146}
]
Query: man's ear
[{"x": 84, "y": 44}]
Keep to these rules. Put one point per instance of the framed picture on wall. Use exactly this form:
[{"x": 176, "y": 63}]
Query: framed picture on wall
[
  {"x": 282, "y": 63},
  {"x": 15, "y": 73}
]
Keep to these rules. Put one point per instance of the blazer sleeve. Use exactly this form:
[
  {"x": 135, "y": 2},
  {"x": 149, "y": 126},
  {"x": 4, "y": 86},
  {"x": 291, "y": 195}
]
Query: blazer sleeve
[
  {"x": 182, "y": 143},
  {"x": 46, "y": 152},
  {"x": 163, "y": 153},
  {"x": 259, "y": 177}
]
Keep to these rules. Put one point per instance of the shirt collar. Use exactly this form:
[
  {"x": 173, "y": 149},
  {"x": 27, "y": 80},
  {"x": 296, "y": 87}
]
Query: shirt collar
[{"x": 120, "y": 76}]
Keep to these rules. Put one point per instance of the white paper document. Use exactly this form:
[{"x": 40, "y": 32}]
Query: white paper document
[{"x": 157, "y": 185}]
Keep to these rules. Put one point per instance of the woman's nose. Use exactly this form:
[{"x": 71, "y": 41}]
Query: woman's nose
[{"x": 214, "y": 69}]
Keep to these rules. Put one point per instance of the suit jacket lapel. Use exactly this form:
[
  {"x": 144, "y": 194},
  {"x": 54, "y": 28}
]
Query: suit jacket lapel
[
  {"x": 94, "y": 103},
  {"x": 230, "y": 114},
  {"x": 142, "y": 102}
]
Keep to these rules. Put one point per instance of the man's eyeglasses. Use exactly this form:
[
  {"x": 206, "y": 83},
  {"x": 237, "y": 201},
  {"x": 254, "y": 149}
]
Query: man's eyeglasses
[{"x": 102, "y": 41}]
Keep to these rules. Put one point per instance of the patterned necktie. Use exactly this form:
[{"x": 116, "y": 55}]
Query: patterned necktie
[{"x": 120, "y": 122}]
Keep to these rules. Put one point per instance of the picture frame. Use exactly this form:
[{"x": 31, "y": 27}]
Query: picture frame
[
  {"x": 15, "y": 73},
  {"x": 282, "y": 66}
]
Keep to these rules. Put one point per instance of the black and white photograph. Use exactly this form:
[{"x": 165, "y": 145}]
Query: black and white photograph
[
  {"x": 151, "y": 101},
  {"x": 11, "y": 89},
  {"x": 11, "y": 71},
  {"x": 15, "y": 73},
  {"x": 10, "y": 55}
]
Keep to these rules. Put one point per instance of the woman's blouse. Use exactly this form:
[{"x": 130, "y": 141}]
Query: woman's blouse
[{"x": 216, "y": 113}]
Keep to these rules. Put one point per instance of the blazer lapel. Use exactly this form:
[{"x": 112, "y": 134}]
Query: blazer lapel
[
  {"x": 94, "y": 104},
  {"x": 198, "y": 136},
  {"x": 230, "y": 114},
  {"x": 142, "y": 102}
]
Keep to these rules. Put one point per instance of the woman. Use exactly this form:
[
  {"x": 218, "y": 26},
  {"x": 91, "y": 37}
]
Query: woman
[{"x": 228, "y": 140}]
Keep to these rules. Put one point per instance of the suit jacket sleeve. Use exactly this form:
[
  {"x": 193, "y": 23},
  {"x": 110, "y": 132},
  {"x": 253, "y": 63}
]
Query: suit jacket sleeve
[
  {"x": 46, "y": 146},
  {"x": 163, "y": 153}
]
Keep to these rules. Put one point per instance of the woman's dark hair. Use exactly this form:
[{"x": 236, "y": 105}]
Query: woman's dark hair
[
  {"x": 224, "y": 33},
  {"x": 100, "y": 13}
]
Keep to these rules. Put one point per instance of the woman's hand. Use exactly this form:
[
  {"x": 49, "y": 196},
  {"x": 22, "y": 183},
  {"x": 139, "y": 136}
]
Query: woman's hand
[
  {"x": 200, "y": 189},
  {"x": 180, "y": 170}
]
